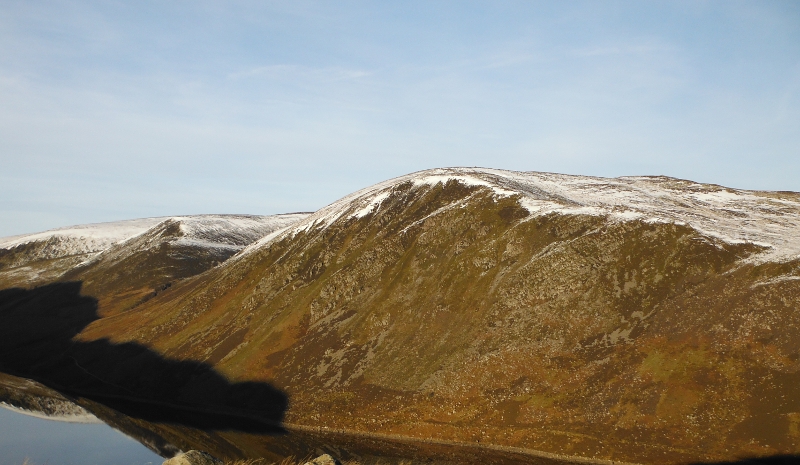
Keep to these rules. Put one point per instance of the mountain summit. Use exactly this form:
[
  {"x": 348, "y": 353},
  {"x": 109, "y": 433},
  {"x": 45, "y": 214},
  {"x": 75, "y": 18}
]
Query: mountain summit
[
  {"x": 732, "y": 215},
  {"x": 645, "y": 319}
]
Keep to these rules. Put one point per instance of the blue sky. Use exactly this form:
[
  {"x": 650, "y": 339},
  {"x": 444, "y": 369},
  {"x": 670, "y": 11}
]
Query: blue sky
[{"x": 112, "y": 110}]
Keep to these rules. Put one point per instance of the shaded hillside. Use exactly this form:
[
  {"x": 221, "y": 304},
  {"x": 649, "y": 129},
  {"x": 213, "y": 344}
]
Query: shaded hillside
[
  {"x": 37, "y": 327},
  {"x": 641, "y": 319}
]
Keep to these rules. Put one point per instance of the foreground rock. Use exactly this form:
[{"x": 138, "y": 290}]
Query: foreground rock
[
  {"x": 323, "y": 459},
  {"x": 193, "y": 457}
]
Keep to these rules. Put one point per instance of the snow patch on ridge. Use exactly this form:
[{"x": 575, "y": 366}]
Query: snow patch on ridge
[
  {"x": 432, "y": 180},
  {"x": 372, "y": 205}
]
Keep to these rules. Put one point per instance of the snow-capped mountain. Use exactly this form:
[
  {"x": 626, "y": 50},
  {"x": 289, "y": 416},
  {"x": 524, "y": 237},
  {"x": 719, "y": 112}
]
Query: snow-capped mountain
[
  {"x": 73, "y": 241},
  {"x": 35, "y": 258},
  {"x": 735, "y": 216},
  {"x": 225, "y": 234},
  {"x": 173, "y": 249}
]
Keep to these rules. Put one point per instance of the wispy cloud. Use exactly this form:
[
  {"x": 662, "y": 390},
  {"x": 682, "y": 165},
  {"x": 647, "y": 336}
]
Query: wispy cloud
[
  {"x": 289, "y": 71},
  {"x": 623, "y": 49},
  {"x": 508, "y": 59}
]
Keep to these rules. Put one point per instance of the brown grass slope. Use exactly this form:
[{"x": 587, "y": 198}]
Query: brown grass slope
[{"x": 563, "y": 333}]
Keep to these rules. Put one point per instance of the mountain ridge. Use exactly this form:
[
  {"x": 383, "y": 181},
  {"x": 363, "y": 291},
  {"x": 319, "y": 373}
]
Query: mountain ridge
[
  {"x": 543, "y": 193},
  {"x": 66, "y": 251}
]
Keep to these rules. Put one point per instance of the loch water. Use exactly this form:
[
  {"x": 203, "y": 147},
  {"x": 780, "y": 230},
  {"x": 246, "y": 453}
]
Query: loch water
[
  {"x": 44, "y": 426},
  {"x": 40, "y": 441}
]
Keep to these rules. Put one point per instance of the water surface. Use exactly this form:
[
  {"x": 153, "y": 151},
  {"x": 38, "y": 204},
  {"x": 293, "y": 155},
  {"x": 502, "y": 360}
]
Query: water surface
[
  {"x": 44, "y": 441},
  {"x": 168, "y": 429}
]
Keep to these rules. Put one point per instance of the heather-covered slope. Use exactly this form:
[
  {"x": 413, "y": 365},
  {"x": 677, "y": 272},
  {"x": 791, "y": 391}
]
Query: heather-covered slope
[{"x": 642, "y": 319}]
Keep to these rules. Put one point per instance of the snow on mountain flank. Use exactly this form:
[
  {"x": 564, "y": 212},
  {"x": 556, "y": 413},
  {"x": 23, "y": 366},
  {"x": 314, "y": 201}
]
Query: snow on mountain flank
[
  {"x": 769, "y": 219},
  {"x": 78, "y": 240},
  {"x": 97, "y": 233},
  {"x": 232, "y": 232},
  {"x": 229, "y": 232}
]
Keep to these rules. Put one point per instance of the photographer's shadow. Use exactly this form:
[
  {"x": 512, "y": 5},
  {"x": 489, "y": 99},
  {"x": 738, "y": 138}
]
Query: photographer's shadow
[{"x": 37, "y": 328}]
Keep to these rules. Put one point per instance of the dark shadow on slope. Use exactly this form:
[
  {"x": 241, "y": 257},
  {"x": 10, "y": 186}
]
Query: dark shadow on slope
[
  {"x": 37, "y": 327},
  {"x": 772, "y": 460}
]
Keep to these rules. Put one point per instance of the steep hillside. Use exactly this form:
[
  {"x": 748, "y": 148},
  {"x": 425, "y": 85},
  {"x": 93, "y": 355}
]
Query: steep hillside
[{"x": 645, "y": 319}]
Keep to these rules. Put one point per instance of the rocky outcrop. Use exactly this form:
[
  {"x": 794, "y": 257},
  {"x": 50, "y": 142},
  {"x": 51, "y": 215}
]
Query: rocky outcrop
[{"x": 324, "y": 459}]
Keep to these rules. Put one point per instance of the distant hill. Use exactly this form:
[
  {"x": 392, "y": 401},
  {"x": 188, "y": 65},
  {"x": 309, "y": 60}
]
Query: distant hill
[
  {"x": 154, "y": 249},
  {"x": 644, "y": 319}
]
